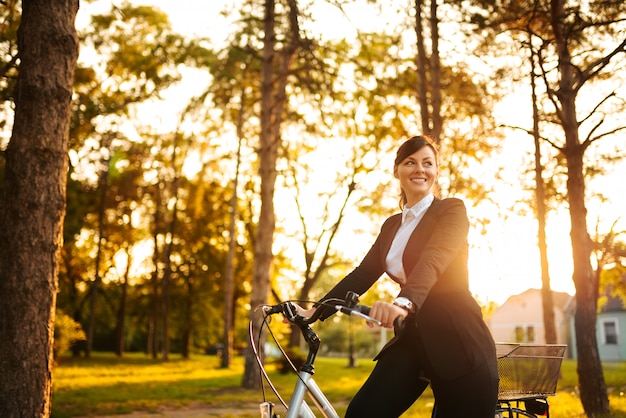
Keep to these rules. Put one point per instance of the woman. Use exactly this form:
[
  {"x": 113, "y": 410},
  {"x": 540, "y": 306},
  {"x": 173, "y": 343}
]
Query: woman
[{"x": 445, "y": 341}]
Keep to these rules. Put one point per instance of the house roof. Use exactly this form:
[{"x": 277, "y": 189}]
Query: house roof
[
  {"x": 606, "y": 303},
  {"x": 559, "y": 299},
  {"x": 611, "y": 304}
]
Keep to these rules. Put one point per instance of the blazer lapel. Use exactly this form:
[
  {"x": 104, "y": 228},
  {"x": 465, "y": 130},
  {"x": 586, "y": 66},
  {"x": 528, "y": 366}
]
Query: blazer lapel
[
  {"x": 416, "y": 241},
  {"x": 387, "y": 236}
]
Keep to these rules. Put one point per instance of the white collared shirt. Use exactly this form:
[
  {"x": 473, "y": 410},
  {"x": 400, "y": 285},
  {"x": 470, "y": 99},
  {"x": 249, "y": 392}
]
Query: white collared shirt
[{"x": 410, "y": 219}]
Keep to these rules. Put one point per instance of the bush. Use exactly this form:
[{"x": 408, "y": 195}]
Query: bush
[
  {"x": 296, "y": 357},
  {"x": 66, "y": 333}
]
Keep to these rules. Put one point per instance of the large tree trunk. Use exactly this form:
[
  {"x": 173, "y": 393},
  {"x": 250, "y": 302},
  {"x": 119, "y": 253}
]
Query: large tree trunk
[
  {"x": 593, "y": 392},
  {"x": 32, "y": 206}
]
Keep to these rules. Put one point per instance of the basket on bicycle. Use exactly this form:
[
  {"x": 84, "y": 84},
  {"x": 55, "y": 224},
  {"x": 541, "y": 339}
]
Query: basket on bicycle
[{"x": 528, "y": 370}]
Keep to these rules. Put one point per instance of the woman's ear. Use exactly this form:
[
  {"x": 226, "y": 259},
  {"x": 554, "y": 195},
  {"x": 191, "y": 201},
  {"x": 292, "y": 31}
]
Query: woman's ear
[{"x": 395, "y": 171}]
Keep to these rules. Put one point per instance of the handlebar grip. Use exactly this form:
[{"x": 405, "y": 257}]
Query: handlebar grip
[
  {"x": 365, "y": 310},
  {"x": 398, "y": 325},
  {"x": 359, "y": 310}
]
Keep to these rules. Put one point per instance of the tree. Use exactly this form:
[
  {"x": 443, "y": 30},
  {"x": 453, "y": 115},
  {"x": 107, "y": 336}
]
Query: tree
[
  {"x": 274, "y": 77},
  {"x": 576, "y": 47},
  {"x": 571, "y": 78},
  {"x": 32, "y": 207},
  {"x": 541, "y": 209}
]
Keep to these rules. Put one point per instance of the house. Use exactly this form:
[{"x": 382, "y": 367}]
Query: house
[
  {"x": 610, "y": 329},
  {"x": 520, "y": 318}
]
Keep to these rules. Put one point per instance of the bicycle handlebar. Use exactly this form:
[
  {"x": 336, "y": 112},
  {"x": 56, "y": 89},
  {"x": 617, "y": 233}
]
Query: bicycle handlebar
[
  {"x": 288, "y": 309},
  {"x": 360, "y": 311}
]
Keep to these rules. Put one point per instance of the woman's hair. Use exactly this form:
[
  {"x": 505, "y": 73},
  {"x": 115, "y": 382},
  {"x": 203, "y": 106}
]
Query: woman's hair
[{"x": 409, "y": 147}]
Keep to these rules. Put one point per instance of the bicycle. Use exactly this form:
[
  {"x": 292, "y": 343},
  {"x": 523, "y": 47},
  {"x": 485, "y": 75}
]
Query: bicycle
[{"x": 528, "y": 373}]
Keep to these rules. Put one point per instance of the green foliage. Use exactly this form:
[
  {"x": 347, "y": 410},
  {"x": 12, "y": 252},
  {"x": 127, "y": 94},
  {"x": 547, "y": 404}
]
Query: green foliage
[
  {"x": 66, "y": 333},
  {"x": 613, "y": 278}
]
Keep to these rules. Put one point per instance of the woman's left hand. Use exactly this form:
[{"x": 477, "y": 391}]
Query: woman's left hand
[{"x": 387, "y": 313}]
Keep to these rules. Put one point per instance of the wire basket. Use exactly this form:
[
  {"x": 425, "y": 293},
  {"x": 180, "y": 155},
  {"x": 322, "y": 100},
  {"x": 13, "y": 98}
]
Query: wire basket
[{"x": 528, "y": 370}]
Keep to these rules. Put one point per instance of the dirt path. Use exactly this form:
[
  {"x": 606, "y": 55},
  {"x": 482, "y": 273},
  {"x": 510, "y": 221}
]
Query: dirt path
[{"x": 200, "y": 411}]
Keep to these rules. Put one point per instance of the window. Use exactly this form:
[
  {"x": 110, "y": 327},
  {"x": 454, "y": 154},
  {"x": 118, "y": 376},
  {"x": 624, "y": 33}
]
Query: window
[
  {"x": 524, "y": 334},
  {"x": 610, "y": 332}
]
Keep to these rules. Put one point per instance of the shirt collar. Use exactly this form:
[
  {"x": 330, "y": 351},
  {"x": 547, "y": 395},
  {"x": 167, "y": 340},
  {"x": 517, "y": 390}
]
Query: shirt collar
[{"x": 418, "y": 208}]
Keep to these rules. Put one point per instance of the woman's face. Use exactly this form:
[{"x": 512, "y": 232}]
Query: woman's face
[{"x": 417, "y": 174}]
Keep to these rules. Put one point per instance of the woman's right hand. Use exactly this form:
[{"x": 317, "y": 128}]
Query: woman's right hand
[{"x": 387, "y": 313}]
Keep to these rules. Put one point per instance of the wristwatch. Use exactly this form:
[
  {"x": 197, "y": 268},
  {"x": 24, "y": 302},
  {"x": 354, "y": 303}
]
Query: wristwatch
[{"x": 404, "y": 303}]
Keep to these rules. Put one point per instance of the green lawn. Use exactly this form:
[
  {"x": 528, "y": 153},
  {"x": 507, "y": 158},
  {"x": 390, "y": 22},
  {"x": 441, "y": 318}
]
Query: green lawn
[{"x": 106, "y": 385}]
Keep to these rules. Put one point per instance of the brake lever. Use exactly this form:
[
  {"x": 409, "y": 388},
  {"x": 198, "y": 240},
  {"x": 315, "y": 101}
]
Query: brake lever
[{"x": 356, "y": 312}]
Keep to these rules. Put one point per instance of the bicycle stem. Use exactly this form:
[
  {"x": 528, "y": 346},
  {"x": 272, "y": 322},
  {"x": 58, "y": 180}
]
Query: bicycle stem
[{"x": 313, "y": 343}]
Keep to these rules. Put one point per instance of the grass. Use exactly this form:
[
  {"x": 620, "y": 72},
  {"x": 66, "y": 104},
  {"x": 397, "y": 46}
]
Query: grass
[{"x": 106, "y": 385}]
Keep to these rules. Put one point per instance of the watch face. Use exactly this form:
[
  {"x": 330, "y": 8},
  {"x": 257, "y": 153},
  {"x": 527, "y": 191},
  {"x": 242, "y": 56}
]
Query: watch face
[{"x": 404, "y": 303}]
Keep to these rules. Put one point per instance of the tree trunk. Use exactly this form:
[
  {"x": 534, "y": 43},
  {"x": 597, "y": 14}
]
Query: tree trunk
[
  {"x": 429, "y": 73},
  {"x": 435, "y": 74},
  {"x": 540, "y": 197},
  {"x": 94, "y": 288},
  {"x": 32, "y": 206},
  {"x": 187, "y": 326},
  {"x": 167, "y": 258},
  {"x": 153, "y": 322},
  {"x": 120, "y": 328},
  {"x": 421, "y": 60},
  {"x": 593, "y": 391},
  {"x": 229, "y": 274},
  {"x": 268, "y": 151},
  {"x": 274, "y": 73}
]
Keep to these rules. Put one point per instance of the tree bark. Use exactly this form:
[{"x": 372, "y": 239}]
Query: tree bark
[
  {"x": 94, "y": 288},
  {"x": 229, "y": 274},
  {"x": 435, "y": 75},
  {"x": 540, "y": 196},
  {"x": 421, "y": 60},
  {"x": 268, "y": 152},
  {"x": 120, "y": 318},
  {"x": 593, "y": 391},
  {"x": 32, "y": 206},
  {"x": 274, "y": 78}
]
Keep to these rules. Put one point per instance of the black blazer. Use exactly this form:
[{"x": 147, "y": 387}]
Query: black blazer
[{"x": 448, "y": 319}]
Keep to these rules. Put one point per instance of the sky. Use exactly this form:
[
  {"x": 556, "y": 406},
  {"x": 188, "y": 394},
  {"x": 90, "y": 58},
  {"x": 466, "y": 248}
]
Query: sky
[{"x": 505, "y": 261}]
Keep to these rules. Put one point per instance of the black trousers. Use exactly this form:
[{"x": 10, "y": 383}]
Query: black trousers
[{"x": 401, "y": 375}]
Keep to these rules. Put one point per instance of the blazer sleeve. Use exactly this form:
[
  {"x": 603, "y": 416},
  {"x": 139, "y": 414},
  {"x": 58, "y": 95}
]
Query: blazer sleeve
[
  {"x": 367, "y": 272},
  {"x": 445, "y": 231}
]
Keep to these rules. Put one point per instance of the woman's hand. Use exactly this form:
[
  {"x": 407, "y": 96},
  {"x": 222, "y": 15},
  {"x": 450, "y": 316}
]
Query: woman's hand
[
  {"x": 305, "y": 313},
  {"x": 387, "y": 313}
]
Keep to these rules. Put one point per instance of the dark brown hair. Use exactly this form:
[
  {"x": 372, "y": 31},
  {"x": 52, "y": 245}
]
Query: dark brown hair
[{"x": 409, "y": 147}]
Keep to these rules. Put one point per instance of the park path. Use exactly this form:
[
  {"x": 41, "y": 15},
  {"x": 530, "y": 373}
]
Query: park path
[{"x": 203, "y": 411}]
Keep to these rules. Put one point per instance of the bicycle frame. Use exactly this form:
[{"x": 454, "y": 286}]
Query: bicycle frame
[{"x": 298, "y": 408}]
